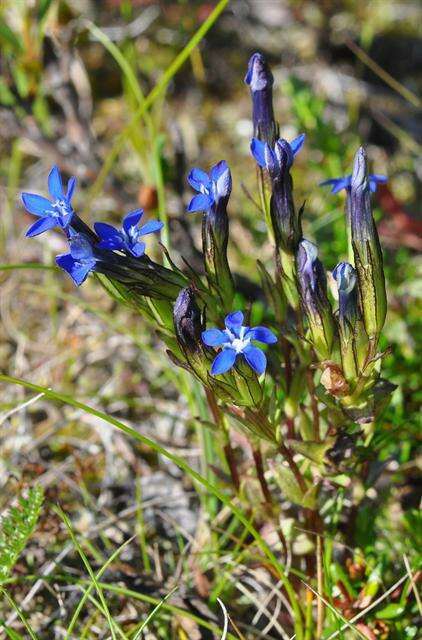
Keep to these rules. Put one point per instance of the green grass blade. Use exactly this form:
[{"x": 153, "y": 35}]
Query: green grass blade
[
  {"x": 156, "y": 92},
  {"x": 91, "y": 586},
  {"x": 85, "y": 560},
  {"x": 28, "y": 265},
  {"x": 122, "y": 62},
  {"x": 20, "y": 613},
  {"x": 151, "y": 615}
]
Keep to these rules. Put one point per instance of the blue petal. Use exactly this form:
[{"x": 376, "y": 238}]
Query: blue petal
[
  {"x": 70, "y": 188},
  {"x": 223, "y": 181},
  {"x": 37, "y": 205},
  {"x": 258, "y": 152},
  {"x": 55, "y": 185},
  {"x": 137, "y": 249},
  {"x": 330, "y": 181},
  {"x": 376, "y": 177},
  {"x": 297, "y": 143},
  {"x": 262, "y": 334},
  {"x": 218, "y": 170},
  {"x": 374, "y": 180},
  {"x": 150, "y": 227},
  {"x": 131, "y": 219},
  {"x": 214, "y": 337},
  {"x": 109, "y": 235},
  {"x": 65, "y": 220},
  {"x": 198, "y": 177},
  {"x": 201, "y": 202},
  {"x": 223, "y": 362},
  {"x": 41, "y": 225},
  {"x": 337, "y": 183},
  {"x": 255, "y": 358},
  {"x": 81, "y": 247},
  {"x": 342, "y": 183},
  {"x": 77, "y": 271},
  {"x": 234, "y": 321}
]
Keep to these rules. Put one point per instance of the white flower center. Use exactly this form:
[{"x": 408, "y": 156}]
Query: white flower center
[
  {"x": 61, "y": 208},
  {"x": 238, "y": 344}
]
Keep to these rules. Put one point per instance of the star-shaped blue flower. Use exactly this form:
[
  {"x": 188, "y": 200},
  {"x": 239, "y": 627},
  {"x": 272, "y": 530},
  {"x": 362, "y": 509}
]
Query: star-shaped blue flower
[
  {"x": 128, "y": 238},
  {"x": 212, "y": 187},
  {"x": 81, "y": 260},
  {"x": 346, "y": 182},
  {"x": 57, "y": 212},
  {"x": 269, "y": 158},
  {"x": 235, "y": 340}
]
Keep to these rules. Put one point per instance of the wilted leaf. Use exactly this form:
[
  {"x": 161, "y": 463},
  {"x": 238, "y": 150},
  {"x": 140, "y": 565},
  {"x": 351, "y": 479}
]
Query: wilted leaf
[{"x": 333, "y": 380}]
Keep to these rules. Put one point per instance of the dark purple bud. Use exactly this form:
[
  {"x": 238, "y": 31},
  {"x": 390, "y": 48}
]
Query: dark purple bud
[
  {"x": 285, "y": 220},
  {"x": 312, "y": 284},
  {"x": 367, "y": 250},
  {"x": 260, "y": 80},
  {"x": 188, "y": 322}
]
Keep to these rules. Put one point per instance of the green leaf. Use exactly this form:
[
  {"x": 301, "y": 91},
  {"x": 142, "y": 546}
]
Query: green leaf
[
  {"x": 390, "y": 611},
  {"x": 16, "y": 526},
  {"x": 43, "y": 7},
  {"x": 9, "y": 36},
  {"x": 291, "y": 489},
  {"x": 314, "y": 451}
]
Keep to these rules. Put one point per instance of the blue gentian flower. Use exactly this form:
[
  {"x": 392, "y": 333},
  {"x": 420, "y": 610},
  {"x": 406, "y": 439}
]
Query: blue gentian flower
[
  {"x": 52, "y": 213},
  {"x": 81, "y": 260},
  {"x": 271, "y": 158},
  {"x": 346, "y": 182},
  {"x": 235, "y": 340},
  {"x": 212, "y": 187},
  {"x": 128, "y": 238}
]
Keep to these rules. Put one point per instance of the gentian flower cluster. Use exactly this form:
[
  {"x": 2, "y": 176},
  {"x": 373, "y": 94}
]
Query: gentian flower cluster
[
  {"x": 179, "y": 303},
  {"x": 324, "y": 374},
  {"x": 96, "y": 250}
]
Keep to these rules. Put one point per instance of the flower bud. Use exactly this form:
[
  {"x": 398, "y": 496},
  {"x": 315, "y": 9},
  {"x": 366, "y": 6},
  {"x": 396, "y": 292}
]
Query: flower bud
[
  {"x": 312, "y": 284},
  {"x": 285, "y": 221},
  {"x": 367, "y": 250},
  {"x": 187, "y": 321},
  {"x": 345, "y": 277},
  {"x": 188, "y": 327},
  {"x": 260, "y": 80}
]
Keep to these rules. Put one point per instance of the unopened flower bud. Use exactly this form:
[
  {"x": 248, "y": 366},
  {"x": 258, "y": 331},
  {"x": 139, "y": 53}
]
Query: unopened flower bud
[
  {"x": 312, "y": 285},
  {"x": 285, "y": 221},
  {"x": 188, "y": 322},
  {"x": 367, "y": 250},
  {"x": 345, "y": 278},
  {"x": 260, "y": 80}
]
